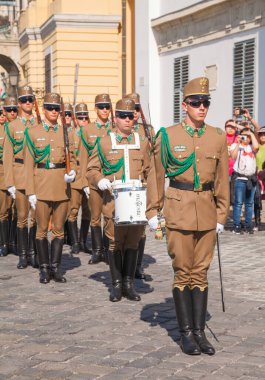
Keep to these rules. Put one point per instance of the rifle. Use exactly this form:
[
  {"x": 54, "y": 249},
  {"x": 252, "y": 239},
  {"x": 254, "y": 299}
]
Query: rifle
[
  {"x": 146, "y": 129},
  {"x": 75, "y": 83},
  {"x": 37, "y": 111},
  {"x": 112, "y": 116},
  {"x": 66, "y": 139},
  {"x": 220, "y": 271}
]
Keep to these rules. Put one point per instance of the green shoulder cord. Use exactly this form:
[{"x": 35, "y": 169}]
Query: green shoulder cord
[
  {"x": 38, "y": 154},
  {"x": 89, "y": 148},
  {"x": 107, "y": 167},
  {"x": 173, "y": 166},
  {"x": 1, "y": 152},
  {"x": 17, "y": 145}
]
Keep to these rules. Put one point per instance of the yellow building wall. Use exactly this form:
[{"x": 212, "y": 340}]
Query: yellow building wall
[{"x": 97, "y": 51}]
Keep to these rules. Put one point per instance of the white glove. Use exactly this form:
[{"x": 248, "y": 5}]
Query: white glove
[
  {"x": 104, "y": 184},
  {"x": 153, "y": 223},
  {"x": 219, "y": 228},
  {"x": 12, "y": 191},
  {"x": 70, "y": 176},
  {"x": 86, "y": 191},
  {"x": 33, "y": 201}
]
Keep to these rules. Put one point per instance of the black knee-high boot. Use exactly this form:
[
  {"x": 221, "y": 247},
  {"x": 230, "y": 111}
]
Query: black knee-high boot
[
  {"x": 84, "y": 227},
  {"x": 183, "y": 306},
  {"x": 32, "y": 252},
  {"x": 97, "y": 245},
  {"x": 3, "y": 238},
  {"x": 56, "y": 256},
  {"x": 22, "y": 247},
  {"x": 139, "y": 273},
  {"x": 115, "y": 265},
  {"x": 73, "y": 231},
  {"x": 199, "y": 305},
  {"x": 128, "y": 273},
  {"x": 43, "y": 258}
]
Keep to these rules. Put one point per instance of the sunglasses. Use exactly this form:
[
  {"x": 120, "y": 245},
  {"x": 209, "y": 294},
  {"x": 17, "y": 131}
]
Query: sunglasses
[
  {"x": 230, "y": 126},
  {"x": 82, "y": 117},
  {"x": 137, "y": 108},
  {"x": 1, "y": 113},
  {"x": 68, "y": 113},
  {"x": 26, "y": 99},
  {"x": 52, "y": 108},
  {"x": 11, "y": 109},
  {"x": 198, "y": 103},
  {"x": 261, "y": 133},
  {"x": 103, "y": 106},
  {"x": 124, "y": 115}
]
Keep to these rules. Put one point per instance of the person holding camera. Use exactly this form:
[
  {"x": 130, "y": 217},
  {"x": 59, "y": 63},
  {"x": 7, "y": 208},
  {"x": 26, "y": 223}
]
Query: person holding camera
[
  {"x": 244, "y": 119},
  {"x": 244, "y": 177}
]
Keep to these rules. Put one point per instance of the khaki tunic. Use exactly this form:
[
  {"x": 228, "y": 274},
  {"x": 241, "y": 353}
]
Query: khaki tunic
[
  {"x": 191, "y": 210},
  {"x": 2, "y": 140},
  {"x": 5, "y": 198},
  {"x": 139, "y": 167},
  {"x": 91, "y": 132},
  {"x": 14, "y": 171},
  {"x": 78, "y": 183},
  {"x": 49, "y": 184}
]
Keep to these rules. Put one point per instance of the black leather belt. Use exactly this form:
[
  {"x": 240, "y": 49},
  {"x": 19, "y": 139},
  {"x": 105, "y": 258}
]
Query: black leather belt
[
  {"x": 41, "y": 165},
  {"x": 190, "y": 186},
  {"x": 1, "y": 162},
  {"x": 77, "y": 163},
  {"x": 19, "y": 160}
]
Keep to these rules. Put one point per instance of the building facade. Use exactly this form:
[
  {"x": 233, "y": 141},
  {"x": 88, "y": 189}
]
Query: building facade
[
  {"x": 59, "y": 38},
  {"x": 222, "y": 39}
]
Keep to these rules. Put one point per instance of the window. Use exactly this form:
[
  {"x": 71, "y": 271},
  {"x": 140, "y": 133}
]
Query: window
[
  {"x": 244, "y": 75},
  {"x": 48, "y": 73},
  {"x": 181, "y": 77}
]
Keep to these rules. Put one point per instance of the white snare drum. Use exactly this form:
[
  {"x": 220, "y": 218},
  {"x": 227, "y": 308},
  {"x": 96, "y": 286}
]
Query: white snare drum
[{"x": 130, "y": 203}]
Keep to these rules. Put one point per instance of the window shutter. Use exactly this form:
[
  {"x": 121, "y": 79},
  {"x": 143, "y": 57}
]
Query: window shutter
[
  {"x": 48, "y": 73},
  {"x": 181, "y": 77},
  {"x": 244, "y": 75}
]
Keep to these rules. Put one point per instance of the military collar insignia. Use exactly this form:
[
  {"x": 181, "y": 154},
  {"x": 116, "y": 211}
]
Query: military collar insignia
[
  {"x": 191, "y": 131},
  {"x": 47, "y": 127},
  {"x": 78, "y": 132},
  {"x": 180, "y": 148},
  {"x": 136, "y": 127},
  {"x": 98, "y": 125},
  {"x": 119, "y": 137},
  {"x": 24, "y": 120}
]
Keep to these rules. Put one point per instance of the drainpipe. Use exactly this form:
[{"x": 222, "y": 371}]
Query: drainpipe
[{"x": 123, "y": 56}]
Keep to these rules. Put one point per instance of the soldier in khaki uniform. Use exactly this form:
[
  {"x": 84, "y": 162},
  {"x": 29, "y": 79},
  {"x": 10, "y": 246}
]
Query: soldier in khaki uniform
[
  {"x": 14, "y": 155},
  {"x": 48, "y": 185},
  {"x": 109, "y": 162},
  {"x": 11, "y": 110},
  {"x": 139, "y": 127},
  {"x": 5, "y": 197},
  {"x": 194, "y": 156},
  {"x": 99, "y": 128},
  {"x": 79, "y": 196}
]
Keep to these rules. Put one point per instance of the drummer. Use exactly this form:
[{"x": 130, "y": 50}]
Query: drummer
[{"x": 120, "y": 159}]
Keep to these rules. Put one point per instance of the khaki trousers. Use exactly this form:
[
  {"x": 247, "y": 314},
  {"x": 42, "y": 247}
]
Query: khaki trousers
[
  {"x": 78, "y": 199},
  {"x": 5, "y": 204},
  {"x": 23, "y": 208},
  {"x": 191, "y": 253},
  {"x": 58, "y": 211},
  {"x": 96, "y": 206},
  {"x": 120, "y": 237}
]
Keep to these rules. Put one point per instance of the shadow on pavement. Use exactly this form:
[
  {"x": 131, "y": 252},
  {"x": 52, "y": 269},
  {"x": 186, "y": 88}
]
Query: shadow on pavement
[{"x": 69, "y": 263}]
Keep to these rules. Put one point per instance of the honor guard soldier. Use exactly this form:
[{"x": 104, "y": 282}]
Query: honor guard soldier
[
  {"x": 78, "y": 196},
  {"x": 196, "y": 204},
  {"x": 123, "y": 158},
  {"x": 48, "y": 184},
  {"x": 99, "y": 128},
  {"x": 139, "y": 127},
  {"x": 11, "y": 110},
  {"x": 14, "y": 155},
  {"x": 5, "y": 197}
]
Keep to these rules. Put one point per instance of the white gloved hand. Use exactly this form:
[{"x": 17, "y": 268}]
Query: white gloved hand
[
  {"x": 104, "y": 184},
  {"x": 33, "y": 201},
  {"x": 86, "y": 191},
  {"x": 153, "y": 223},
  {"x": 70, "y": 176},
  {"x": 12, "y": 191},
  {"x": 219, "y": 228}
]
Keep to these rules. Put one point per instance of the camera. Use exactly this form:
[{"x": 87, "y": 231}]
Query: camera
[
  {"x": 243, "y": 138},
  {"x": 241, "y": 111}
]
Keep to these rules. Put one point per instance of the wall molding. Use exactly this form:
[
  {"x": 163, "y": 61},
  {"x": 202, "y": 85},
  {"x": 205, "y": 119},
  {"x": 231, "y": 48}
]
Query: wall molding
[{"x": 206, "y": 21}]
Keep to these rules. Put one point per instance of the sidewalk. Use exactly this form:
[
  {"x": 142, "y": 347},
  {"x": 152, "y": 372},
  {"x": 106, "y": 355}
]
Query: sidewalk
[{"x": 72, "y": 331}]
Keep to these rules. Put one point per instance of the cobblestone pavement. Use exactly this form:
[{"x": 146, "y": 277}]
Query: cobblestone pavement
[{"x": 72, "y": 331}]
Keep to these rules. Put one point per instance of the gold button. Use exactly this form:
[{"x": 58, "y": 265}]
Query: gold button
[
  {"x": 197, "y": 147},
  {"x": 197, "y": 160},
  {"x": 214, "y": 157},
  {"x": 198, "y": 173},
  {"x": 52, "y": 159}
]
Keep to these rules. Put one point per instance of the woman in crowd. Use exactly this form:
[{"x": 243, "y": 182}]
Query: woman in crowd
[{"x": 243, "y": 152}]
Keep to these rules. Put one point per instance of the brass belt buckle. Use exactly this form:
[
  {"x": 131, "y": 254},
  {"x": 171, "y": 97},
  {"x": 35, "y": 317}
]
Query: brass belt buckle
[{"x": 199, "y": 188}]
